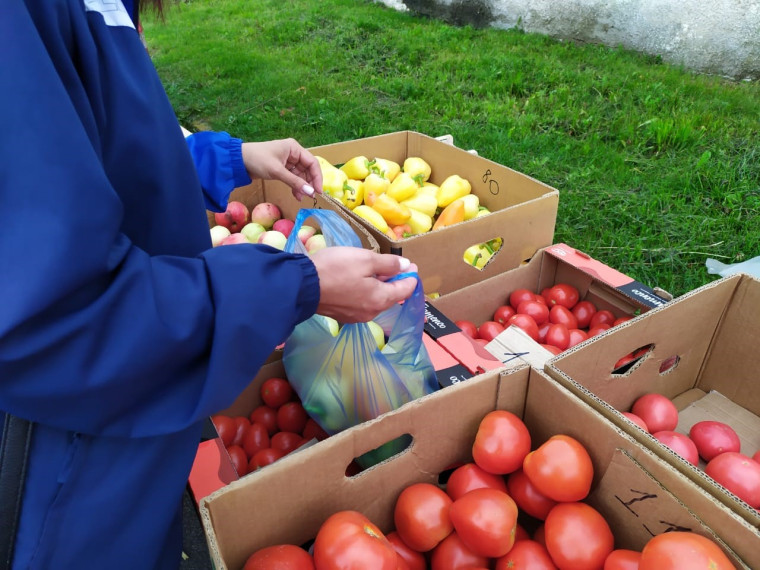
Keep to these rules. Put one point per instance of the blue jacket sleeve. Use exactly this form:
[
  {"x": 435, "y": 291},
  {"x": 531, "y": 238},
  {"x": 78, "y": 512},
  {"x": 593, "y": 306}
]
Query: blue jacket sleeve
[
  {"x": 116, "y": 316},
  {"x": 219, "y": 161}
]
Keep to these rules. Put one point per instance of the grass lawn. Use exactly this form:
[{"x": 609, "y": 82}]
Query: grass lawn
[{"x": 657, "y": 168}]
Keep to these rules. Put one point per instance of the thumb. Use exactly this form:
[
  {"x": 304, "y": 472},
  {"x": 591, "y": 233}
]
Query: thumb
[
  {"x": 389, "y": 264},
  {"x": 400, "y": 290}
]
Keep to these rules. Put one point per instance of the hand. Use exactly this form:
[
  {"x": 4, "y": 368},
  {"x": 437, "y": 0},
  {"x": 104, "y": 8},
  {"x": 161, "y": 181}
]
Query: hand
[
  {"x": 287, "y": 161},
  {"x": 353, "y": 282}
]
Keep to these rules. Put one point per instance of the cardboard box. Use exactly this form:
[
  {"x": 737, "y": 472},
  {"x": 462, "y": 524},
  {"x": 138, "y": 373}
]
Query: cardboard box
[
  {"x": 524, "y": 210},
  {"x": 604, "y": 286},
  {"x": 639, "y": 493},
  {"x": 278, "y": 193},
  {"x": 702, "y": 353}
]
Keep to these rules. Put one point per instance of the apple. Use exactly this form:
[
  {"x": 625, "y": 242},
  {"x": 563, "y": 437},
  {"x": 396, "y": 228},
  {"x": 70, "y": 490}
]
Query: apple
[
  {"x": 284, "y": 225},
  {"x": 305, "y": 232},
  {"x": 252, "y": 231},
  {"x": 266, "y": 214},
  {"x": 234, "y": 217},
  {"x": 315, "y": 243},
  {"x": 233, "y": 239},
  {"x": 273, "y": 238},
  {"x": 377, "y": 333},
  {"x": 218, "y": 233}
]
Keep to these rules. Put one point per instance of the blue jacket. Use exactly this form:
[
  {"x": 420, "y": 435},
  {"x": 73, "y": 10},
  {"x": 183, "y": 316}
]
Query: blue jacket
[{"x": 120, "y": 328}]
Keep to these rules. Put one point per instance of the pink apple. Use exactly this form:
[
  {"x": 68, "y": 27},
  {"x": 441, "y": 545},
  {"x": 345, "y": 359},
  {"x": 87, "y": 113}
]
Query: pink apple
[
  {"x": 284, "y": 225},
  {"x": 273, "y": 238},
  {"x": 233, "y": 239},
  {"x": 218, "y": 233},
  {"x": 252, "y": 231},
  {"x": 315, "y": 243},
  {"x": 266, "y": 214},
  {"x": 305, "y": 232},
  {"x": 234, "y": 217}
]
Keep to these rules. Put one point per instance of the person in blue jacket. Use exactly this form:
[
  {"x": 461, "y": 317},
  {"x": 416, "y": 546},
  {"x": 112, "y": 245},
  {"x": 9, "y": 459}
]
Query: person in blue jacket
[{"x": 121, "y": 328}]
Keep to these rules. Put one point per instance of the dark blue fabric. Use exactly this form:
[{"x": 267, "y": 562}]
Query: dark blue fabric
[{"x": 120, "y": 330}]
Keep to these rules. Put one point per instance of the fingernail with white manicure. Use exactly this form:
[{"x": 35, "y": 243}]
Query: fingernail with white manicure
[
  {"x": 404, "y": 263},
  {"x": 308, "y": 190}
]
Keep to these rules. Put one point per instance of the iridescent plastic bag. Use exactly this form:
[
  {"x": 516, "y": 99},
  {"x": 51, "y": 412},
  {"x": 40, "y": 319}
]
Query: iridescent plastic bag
[{"x": 346, "y": 379}]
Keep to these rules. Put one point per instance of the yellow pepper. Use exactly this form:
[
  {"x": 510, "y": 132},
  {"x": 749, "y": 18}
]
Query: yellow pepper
[
  {"x": 376, "y": 184},
  {"x": 451, "y": 189},
  {"x": 333, "y": 181},
  {"x": 402, "y": 187},
  {"x": 353, "y": 193},
  {"x": 324, "y": 164},
  {"x": 471, "y": 205},
  {"x": 451, "y": 214},
  {"x": 477, "y": 255},
  {"x": 372, "y": 216},
  {"x": 422, "y": 202},
  {"x": 391, "y": 211},
  {"x": 417, "y": 168},
  {"x": 386, "y": 168},
  {"x": 356, "y": 168},
  {"x": 482, "y": 211},
  {"x": 419, "y": 222}
]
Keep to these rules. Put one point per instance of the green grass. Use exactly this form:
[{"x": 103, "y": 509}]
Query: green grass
[{"x": 658, "y": 168}]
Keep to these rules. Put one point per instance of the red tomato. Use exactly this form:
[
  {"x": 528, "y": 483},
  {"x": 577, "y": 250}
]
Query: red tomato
[
  {"x": 562, "y": 294},
  {"x": 242, "y": 425},
  {"x": 578, "y": 536},
  {"x": 539, "y": 535},
  {"x": 713, "y": 438},
  {"x": 623, "y": 360},
  {"x": 265, "y": 415},
  {"x": 280, "y": 557},
  {"x": 526, "y": 323},
  {"x": 421, "y": 516},
  {"x": 489, "y": 330},
  {"x": 526, "y": 555},
  {"x": 503, "y": 313},
  {"x": 542, "y": 330},
  {"x": 583, "y": 311},
  {"x": 521, "y": 533},
  {"x": 680, "y": 444},
  {"x": 453, "y": 554},
  {"x": 539, "y": 311},
  {"x": 528, "y": 498},
  {"x": 485, "y": 520},
  {"x": 292, "y": 416},
  {"x": 468, "y": 328},
  {"x": 275, "y": 392},
  {"x": 264, "y": 457},
  {"x": 225, "y": 428},
  {"x": 739, "y": 474},
  {"x": 558, "y": 336},
  {"x": 600, "y": 328},
  {"x": 348, "y": 539},
  {"x": 286, "y": 441},
  {"x": 481, "y": 341},
  {"x": 238, "y": 458},
  {"x": 468, "y": 477},
  {"x": 255, "y": 438},
  {"x": 501, "y": 442},
  {"x": 519, "y": 295},
  {"x": 619, "y": 320},
  {"x": 637, "y": 420},
  {"x": 313, "y": 430},
  {"x": 560, "y": 468},
  {"x": 657, "y": 411},
  {"x": 551, "y": 348},
  {"x": 756, "y": 456},
  {"x": 602, "y": 317},
  {"x": 577, "y": 336},
  {"x": 676, "y": 550},
  {"x": 622, "y": 559},
  {"x": 563, "y": 316},
  {"x": 414, "y": 560}
]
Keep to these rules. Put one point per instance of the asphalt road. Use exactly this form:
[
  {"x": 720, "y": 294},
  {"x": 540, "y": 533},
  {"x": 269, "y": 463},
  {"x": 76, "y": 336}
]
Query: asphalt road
[{"x": 196, "y": 554}]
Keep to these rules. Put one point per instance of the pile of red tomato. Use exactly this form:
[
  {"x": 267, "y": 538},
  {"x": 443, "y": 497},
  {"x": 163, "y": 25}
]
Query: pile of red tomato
[
  {"x": 556, "y": 318},
  {"x": 715, "y": 442},
  {"x": 279, "y": 425},
  {"x": 471, "y": 520}
]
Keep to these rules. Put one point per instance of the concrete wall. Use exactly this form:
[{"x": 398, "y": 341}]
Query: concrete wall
[{"x": 720, "y": 37}]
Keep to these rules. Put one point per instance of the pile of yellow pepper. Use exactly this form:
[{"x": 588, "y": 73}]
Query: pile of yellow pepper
[{"x": 400, "y": 201}]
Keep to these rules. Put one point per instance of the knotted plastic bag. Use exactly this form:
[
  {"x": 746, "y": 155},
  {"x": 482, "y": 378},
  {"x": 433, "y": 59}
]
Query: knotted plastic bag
[{"x": 347, "y": 379}]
